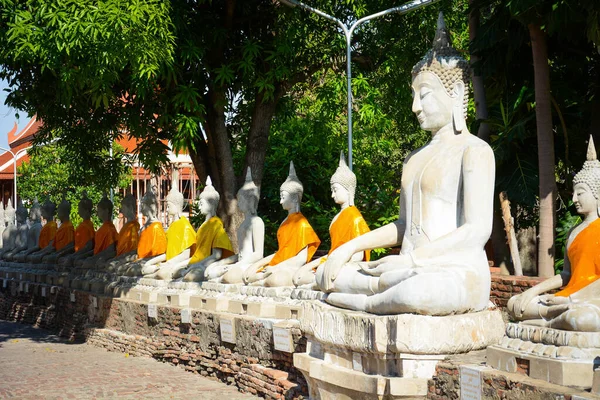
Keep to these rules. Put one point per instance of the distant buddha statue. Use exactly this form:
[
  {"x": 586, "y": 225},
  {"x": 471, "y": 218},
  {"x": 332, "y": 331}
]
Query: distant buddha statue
[
  {"x": 65, "y": 235},
  {"x": 577, "y": 306},
  {"x": 84, "y": 236},
  {"x": 345, "y": 226},
  {"x": 181, "y": 239},
  {"x": 296, "y": 239},
  {"x": 125, "y": 248},
  {"x": 446, "y": 207},
  {"x": 32, "y": 243},
  {"x": 2, "y": 222},
  {"x": 212, "y": 243},
  {"x": 152, "y": 239},
  {"x": 11, "y": 236}
]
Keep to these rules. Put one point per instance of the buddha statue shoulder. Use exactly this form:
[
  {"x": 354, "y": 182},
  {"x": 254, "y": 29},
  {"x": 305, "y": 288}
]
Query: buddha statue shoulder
[
  {"x": 296, "y": 239},
  {"x": 346, "y": 225},
  {"x": 577, "y": 306},
  {"x": 212, "y": 242},
  {"x": 446, "y": 206},
  {"x": 250, "y": 236}
]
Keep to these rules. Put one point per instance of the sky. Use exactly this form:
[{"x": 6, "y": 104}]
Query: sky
[{"x": 8, "y": 117}]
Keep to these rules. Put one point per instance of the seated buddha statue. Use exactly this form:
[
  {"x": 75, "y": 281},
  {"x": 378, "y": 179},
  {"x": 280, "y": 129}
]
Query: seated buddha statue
[
  {"x": 346, "y": 225},
  {"x": 36, "y": 213},
  {"x": 105, "y": 236},
  {"x": 2, "y": 222},
  {"x": 125, "y": 248},
  {"x": 11, "y": 236},
  {"x": 296, "y": 239},
  {"x": 181, "y": 240},
  {"x": 84, "y": 236},
  {"x": 212, "y": 243},
  {"x": 577, "y": 306},
  {"x": 65, "y": 235},
  {"x": 446, "y": 207},
  {"x": 152, "y": 239}
]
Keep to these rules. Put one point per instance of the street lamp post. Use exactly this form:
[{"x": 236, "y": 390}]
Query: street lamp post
[{"x": 348, "y": 31}]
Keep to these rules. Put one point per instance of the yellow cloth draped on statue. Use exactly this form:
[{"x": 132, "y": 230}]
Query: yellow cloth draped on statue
[
  {"x": 105, "y": 236},
  {"x": 348, "y": 225},
  {"x": 180, "y": 236},
  {"x": 83, "y": 234},
  {"x": 153, "y": 241},
  {"x": 128, "y": 238},
  {"x": 584, "y": 256},
  {"x": 64, "y": 235},
  {"x": 211, "y": 235},
  {"x": 294, "y": 234},
  {"x": 47, "y": 234}
]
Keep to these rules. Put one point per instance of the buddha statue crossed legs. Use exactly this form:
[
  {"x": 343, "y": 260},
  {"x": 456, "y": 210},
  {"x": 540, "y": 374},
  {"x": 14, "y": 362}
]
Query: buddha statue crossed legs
[{"x": 446, "y": 206}]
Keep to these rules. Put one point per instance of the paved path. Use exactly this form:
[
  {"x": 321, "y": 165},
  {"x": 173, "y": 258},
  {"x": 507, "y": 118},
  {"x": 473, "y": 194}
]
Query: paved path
[{"x": 37, "y": 365}]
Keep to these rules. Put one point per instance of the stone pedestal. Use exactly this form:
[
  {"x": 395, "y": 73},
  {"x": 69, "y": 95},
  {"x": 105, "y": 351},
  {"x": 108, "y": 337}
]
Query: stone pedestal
[
  {"x": 353, "y": 355},
  {"x": 553, "y": 355}
]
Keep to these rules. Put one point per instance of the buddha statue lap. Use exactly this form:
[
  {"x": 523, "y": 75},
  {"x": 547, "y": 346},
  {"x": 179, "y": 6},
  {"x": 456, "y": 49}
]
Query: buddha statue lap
[
  {"x": 65, "y": 235},
  {"x": 152, "y": 239},
  {"x": 223, "y": 265},
  {"x": 125, "y": 249},
  {"x": 577, "y": 306},
  {"x": 181, "y": 240},
  {"x": 19, "y": 254},
  {"x": 296, "y": 239},
  {"x": 446, "y": 206},
  {"x": 346, "y": 225},
  {"x": 13, "y": 235}
]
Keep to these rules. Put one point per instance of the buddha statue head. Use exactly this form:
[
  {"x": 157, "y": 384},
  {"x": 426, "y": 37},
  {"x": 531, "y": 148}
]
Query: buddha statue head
[
  {"x": 343, "y": 183},
  {"x": 84, "y": 208},
  {"x": 291, "y": 191},
  {"x": 48, "y": 210},
  {"x": 440, "y": 84},
  {"x": 209, "y": 199},
  {"x": 174, "y": 201},
  {"x": 149, "y": 205},
  {"x": 64, "y": 210},
  {"x": 35, "y": 212},
  {"x": 248, "y": 195},
  {"x": 586, "y": 184},
  {"x": 128, "y": 207},
  {"x": 105, "y": 209}
]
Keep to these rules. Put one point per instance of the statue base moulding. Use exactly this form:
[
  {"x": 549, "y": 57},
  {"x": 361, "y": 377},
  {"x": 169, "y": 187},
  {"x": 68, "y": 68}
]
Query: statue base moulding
[
  {"x": 354, "y": 355},
  {"x": 561, "y": 357}
]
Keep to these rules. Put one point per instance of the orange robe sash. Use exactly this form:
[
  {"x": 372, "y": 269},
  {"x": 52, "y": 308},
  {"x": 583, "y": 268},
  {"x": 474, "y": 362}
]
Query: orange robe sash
[
  {"x": 83, "y": 234},
  {"x": 128, "y": 237},
  {"x": 105, "y": 236},
  {"x": 211, "y": 235},
  {"x": 64, "y": 235},
  {"x": 294, "y": 234},
  {"x": 584, "y": 255},
  {"x": 47, "y": 234},
  {"x": 180, "y": 236},
  {"x": 153, "y": 241}
]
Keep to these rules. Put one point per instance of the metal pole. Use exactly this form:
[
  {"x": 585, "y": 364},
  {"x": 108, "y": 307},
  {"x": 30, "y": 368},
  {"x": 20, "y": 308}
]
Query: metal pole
[{"x": 348, "y": 32}]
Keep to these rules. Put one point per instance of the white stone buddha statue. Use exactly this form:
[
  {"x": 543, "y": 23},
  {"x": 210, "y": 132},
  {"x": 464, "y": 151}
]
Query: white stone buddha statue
[
  {"x": 250, "y": 236},
  {"x": 296, "y": 239},
  {"x": 30, "y": 232},
  {"x": 2, "y": 222},
  {"x": 577, "y": 306},
  {"x": 446, "y": 206},
  {"x": 346, "y": 225},
  {"x": 11, "y": 235}
]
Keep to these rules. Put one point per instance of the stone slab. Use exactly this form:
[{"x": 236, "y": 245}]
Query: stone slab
[{"x": 550, "y": 336}]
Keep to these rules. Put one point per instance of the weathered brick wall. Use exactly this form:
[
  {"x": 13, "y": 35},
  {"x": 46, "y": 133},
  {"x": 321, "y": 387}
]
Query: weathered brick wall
[{"x": 252, "y": 364}]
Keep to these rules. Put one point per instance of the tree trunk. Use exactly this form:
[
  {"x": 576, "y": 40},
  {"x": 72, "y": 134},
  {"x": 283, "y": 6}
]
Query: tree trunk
[
  {"x": 545, "y": 140},
  {"x": 481, "y": 112},
  {"x": 510, "y": 234}
]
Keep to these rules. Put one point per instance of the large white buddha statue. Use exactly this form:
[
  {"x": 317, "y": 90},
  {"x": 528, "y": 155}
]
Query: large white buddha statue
[
  {"x": 577, "y": 306},
  {"x": 346, "y": 225},
  {"x": 446, "y": 205},
  {"x": 250, "y": 236},
  {"x": 297, "y": 241}
]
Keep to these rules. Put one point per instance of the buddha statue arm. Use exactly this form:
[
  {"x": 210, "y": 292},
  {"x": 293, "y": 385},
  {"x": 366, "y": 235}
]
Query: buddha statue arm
[{"x": 252, "y": 270}]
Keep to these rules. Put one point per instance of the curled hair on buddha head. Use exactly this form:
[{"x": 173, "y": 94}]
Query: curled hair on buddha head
[
  {"x": 250, "y": 191},
  {"x": 210, "y": 194},
  {"x": 590, "y": 172},
  {"x": 445, "y": 62},
  {"x": 292, "y": 184},
  {"x": 106, "y": 204},
  {"x": 345, "y": 177},
  {"x": 85, "y": 202}
]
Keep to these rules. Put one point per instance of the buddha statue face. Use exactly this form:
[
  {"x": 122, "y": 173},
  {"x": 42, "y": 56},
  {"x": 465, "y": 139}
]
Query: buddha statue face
[
  {"x": 35, "y": 213},
  {"x": 21, "y": 215},
  {"x": 432, "y": 104},
  {"x": 247, "y": 203},
  {"x": 128, "y": 207},
  {"x": 205, "y": 206},
  {"x": 174, "y": 203},
  {"x": 584, "y": 199},
  {"x": 287, "y": 200},
  {"x": 339, "y": 194},
  {"x": 84, "y": 209}
]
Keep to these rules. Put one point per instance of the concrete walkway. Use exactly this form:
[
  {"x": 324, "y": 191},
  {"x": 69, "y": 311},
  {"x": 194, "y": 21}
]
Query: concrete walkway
[{"x": 35, "y": 364}]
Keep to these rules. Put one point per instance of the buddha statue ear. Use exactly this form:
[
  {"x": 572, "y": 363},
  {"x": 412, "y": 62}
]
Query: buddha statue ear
[{"x": 458, "y": 115}]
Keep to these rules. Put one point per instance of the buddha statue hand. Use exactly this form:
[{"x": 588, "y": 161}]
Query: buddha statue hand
[
  {"x": 330, "y": 269},
  {"x": 386, "y": 264},
  {"x": 517, "y": 304},
  {"x": 552, "y": 300},
  {"x": 215, "y": 271}
]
